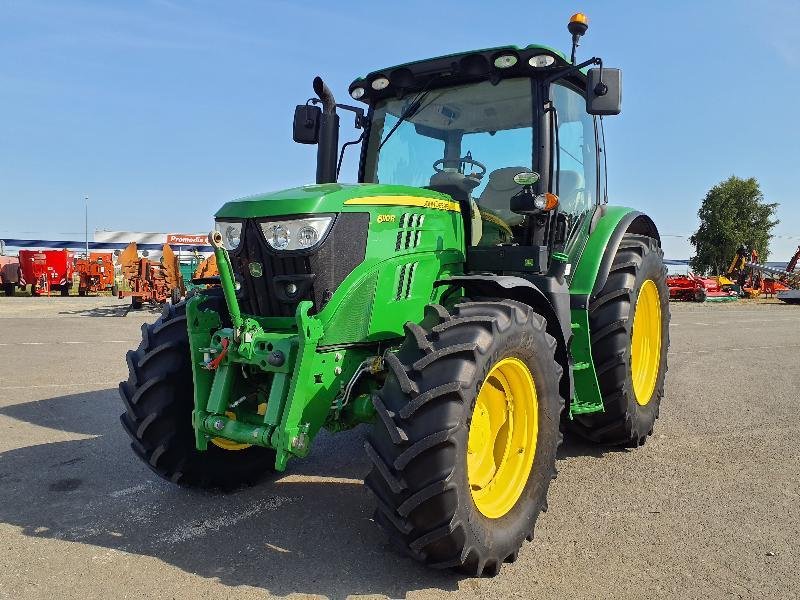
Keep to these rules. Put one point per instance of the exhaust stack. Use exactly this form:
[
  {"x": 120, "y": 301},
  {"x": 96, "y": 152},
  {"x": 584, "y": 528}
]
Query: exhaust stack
[{"x": 328, "y": 148}]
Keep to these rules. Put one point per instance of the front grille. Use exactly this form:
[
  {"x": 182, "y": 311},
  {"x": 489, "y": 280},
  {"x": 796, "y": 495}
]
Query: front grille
[{"x": 317, "y": 274}]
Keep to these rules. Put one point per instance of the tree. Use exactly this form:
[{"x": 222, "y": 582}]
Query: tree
[{"x": 733, "y": 213}]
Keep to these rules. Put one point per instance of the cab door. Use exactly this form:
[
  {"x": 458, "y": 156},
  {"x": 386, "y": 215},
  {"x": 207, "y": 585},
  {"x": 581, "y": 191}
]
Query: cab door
[{"x": 575, "y": 167}]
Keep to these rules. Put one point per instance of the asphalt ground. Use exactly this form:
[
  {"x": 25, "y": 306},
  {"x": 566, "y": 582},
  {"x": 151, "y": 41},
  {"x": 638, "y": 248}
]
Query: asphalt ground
[{"x": 708, "y": 508}]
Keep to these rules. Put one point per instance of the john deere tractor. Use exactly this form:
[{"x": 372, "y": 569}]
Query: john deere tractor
[{"x": 468, "y": 299}]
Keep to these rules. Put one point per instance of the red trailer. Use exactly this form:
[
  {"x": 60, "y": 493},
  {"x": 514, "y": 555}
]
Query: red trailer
[
  {"x": 96, "y": 274},
  {"x": 47, "y": 270},
  {"x": 10, "y": 274}
]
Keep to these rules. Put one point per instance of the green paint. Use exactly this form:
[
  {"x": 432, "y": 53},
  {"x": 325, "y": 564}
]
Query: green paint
[
  {"x": 228, "y": 286},
  {"x": 200, "y": 323},
  {"x": 587, "y": 397},
  {"x": 408, "y": 248}
]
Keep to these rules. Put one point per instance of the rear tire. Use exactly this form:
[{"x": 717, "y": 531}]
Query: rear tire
[
  {"x": 136, "y": 303},
  {"x": 9, "y": 289},
  {"x": 159, "y": 399},
  {"x": 65, "y": 290},
  {"x": 419, "y": 442},
  {"x": 625, "y": 421}
]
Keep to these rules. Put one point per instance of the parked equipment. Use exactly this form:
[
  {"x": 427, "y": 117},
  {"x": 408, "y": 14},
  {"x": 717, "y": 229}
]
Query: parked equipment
[
  {"x": 10, "y": 275},
  {"x": 791, "y": 278},
  {"x": 47, "y": 270},
  {"x": 149, "y": 281},
  {"x": 691, "y": 287},
  {"x": 199, "y": 270},
  {"x": 206, "y": 268},
  {"x": 96, "y": 274},
  {"x": 468, "y": 295},
  {"x": 754, "y": 279}
]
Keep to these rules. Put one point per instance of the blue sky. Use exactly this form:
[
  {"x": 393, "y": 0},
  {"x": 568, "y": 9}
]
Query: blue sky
[{"x": 160, "y": 110}]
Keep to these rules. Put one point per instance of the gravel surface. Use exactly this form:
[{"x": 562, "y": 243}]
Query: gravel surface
[{"x": 708, "y": 508}]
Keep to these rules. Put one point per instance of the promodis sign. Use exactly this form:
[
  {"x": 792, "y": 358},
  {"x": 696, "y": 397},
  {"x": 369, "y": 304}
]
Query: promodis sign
[{"x": 187, "y": 239}]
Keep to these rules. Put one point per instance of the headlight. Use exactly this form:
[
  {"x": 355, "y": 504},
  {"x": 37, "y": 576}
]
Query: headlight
[
  {"x": 231, "y": 233},
  {"x": 296, "y": 234}
]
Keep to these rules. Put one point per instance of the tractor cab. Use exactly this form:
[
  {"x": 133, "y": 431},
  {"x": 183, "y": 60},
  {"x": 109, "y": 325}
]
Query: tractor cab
[{"x": 509, "y": 133}]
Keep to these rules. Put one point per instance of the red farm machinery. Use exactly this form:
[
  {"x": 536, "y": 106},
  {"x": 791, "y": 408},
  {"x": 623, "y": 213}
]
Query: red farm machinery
[
  {"x": 47, "y": 271},
  {"x": 10, "y": 275},
  {"x": 693, "y": 288},
  {"x": 148, "y": 280},
  {"x": 96, "y": 273},
  {"x": 754, "y": 278}
]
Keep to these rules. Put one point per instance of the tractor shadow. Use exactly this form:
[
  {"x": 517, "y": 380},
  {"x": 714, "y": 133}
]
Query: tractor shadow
[
  {"x": 310, "y": 531},
  {"x": 574, "y": 446},
  {"x": 119, "y": 310}
]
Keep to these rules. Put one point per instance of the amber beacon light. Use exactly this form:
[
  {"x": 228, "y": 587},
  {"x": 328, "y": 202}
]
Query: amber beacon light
[{"x": 577, "y": 26}]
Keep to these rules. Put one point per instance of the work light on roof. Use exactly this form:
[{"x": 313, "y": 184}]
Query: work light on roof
[
  {"x": 505, "y": 61},
  {"x": 380, "y": 83},
  {"x": 357, "y": 93},
  {"x": 541, "y": 60}
]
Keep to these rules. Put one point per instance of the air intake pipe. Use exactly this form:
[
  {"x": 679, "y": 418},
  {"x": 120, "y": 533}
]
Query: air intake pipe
[{"x": 328, "y": 148}]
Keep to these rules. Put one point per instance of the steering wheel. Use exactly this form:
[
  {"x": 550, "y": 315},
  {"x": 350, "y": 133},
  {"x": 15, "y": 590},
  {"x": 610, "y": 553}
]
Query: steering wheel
[{"x": 439, "y": 167}]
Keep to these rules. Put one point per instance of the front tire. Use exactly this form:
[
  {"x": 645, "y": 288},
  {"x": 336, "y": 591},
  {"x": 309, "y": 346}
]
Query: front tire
[
  {"x": 629, "y": 328},
  {"x": 433, "y": 439},
  {"x": 159, "y": 399}
]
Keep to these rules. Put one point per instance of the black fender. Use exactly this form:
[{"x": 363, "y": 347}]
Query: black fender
[{"x": 545, "y": 294}]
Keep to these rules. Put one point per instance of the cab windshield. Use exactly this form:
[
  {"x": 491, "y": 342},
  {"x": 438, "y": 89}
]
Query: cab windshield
[{"x": 473, "y": 138}]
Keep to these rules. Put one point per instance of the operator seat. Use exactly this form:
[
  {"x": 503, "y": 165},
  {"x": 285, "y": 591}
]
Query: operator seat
[{"x": 496, "y": 196}]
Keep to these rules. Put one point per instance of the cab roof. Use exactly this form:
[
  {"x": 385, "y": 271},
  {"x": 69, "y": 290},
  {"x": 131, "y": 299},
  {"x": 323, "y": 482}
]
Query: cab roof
[{"x": 455, "y": 69}]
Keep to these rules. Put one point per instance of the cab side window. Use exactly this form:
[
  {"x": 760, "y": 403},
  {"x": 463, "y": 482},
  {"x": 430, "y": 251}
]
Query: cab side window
[{"x": 576, "y": 179}]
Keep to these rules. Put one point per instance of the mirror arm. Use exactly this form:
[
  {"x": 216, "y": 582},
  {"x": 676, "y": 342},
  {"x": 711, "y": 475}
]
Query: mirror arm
[
  {"x": 361, "y": 118},
  {"x": 575, "y": 68}
]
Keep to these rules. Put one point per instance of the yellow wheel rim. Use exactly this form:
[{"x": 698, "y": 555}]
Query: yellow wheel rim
[
  {"x": 502, "y": 437},
  {"x": 228, "y": 444},
  {"x": 646, "y": 342}
]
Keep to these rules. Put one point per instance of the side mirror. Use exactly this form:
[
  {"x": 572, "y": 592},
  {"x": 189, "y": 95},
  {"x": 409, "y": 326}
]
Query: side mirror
[
  {"x": 604, "y": 97},
  {"x": 306, "y": 124}
]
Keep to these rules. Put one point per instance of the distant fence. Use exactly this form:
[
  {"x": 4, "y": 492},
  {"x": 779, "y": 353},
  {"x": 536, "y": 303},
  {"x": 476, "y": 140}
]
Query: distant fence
[{"x": 75, "y": 245}]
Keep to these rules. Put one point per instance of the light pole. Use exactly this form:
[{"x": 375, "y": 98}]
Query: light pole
[{"x": 86, "y": 223}]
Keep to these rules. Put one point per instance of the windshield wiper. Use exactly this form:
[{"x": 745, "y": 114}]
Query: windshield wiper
[{"x": 410, "y": 110}]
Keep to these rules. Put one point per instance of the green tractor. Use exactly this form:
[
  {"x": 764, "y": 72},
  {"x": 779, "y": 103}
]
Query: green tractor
[{"x": 469, "y": 298}]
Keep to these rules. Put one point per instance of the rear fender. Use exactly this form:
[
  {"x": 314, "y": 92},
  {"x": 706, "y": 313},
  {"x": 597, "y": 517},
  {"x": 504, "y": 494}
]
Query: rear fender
[{"x": 553, "y": 306}]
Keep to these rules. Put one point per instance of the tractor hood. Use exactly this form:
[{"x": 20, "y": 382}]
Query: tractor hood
[{"x": 331, "y": 197}]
